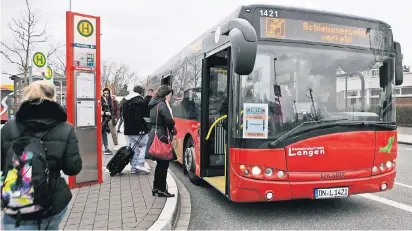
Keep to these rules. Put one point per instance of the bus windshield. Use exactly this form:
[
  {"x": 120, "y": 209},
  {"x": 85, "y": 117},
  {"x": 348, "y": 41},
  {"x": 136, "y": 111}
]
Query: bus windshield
[{"x": 315, "y": 84}]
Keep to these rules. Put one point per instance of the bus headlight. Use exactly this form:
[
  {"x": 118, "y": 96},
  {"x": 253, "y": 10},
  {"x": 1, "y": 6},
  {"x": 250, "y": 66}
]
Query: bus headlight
[
  {"x": 256, "y": 171},
  {"x": 374, "y": 169},
  {"x": 281, "y": 174},
  {"x": 388, "y": 164},
  {"x": 242, "y": 167},
  {"x": 382, "y": 167},
  {"x": 268, "y": 172},
  {"x": 261, "y": 172}
]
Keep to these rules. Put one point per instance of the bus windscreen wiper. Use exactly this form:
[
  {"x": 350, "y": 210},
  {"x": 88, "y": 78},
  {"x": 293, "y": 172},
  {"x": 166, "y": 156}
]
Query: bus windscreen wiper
[
  {"x": 377, "y": 124},
  {"x": 297, "y": 128}
]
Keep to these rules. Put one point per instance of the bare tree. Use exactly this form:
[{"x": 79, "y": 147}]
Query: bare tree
[
  {"x": 142, "y": 81},
  {"x": 27, "y": 34},
  {"x": 153, "y": 82},
  {"x": 57, "y": 59},
  {"x": 116, "y": 76},
  {"x": 194, "y": 72}
]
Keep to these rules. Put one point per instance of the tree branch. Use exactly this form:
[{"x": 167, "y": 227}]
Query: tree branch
[{"x": 25, "y": 36}]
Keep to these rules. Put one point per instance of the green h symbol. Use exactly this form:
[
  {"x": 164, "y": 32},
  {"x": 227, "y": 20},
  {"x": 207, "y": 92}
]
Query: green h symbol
[
  {"x": 85, "y": 27},
  {"x": 39, "y": 58}
]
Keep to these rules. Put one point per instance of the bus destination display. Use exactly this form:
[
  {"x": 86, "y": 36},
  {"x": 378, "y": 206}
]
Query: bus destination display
[{"x": 282, "y": 28}]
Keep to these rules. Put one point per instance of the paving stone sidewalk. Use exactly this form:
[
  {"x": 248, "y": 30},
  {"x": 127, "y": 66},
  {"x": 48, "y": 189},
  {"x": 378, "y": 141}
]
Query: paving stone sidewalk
[{"x": 121, "y": 202}]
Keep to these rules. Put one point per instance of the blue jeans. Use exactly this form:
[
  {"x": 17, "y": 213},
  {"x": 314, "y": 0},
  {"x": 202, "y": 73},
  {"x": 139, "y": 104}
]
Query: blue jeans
[
  {"x": 138, "y": 159},
  {"x": 105, "y": 140},
  {"x": 9, "y": 223}
]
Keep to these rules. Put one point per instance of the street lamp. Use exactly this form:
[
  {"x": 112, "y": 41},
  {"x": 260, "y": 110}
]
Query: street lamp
[{"x": 17, "y": 84}]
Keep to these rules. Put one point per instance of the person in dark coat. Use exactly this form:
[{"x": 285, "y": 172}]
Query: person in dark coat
[
  {"x": 110, "y": 116},
  {"x": 149, "y": 96},
  {"x": 160, "y": 108},
  {"x": 39, "y": 112},
  {"x": 107, "y": 116}
]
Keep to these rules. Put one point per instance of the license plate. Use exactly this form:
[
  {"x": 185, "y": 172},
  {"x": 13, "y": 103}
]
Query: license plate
[{"x": 326, "y": 193}]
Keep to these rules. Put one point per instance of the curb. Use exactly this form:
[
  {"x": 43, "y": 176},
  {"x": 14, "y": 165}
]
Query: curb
[
  {"x": 185, "y": 206},
  {"x": 405, "y": 139},
  {"x": 168, "y": 216}
]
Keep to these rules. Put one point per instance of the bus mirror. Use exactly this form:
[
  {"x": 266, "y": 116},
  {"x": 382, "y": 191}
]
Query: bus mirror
[
  {"x": 386, "y": 73},
  {"x": 243, "y": 40},
  {"x": 398, "y": 64}
]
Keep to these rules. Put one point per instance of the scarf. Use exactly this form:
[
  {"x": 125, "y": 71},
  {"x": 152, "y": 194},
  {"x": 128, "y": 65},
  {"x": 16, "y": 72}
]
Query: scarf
[{"x": 170, "y": 109}]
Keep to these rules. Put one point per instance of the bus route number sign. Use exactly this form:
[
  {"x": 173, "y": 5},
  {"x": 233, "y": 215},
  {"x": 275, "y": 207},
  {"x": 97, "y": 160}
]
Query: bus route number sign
[{"x": 268, "y": 13}]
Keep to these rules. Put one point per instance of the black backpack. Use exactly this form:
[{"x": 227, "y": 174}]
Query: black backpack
[{"x": 25, "y": 180}]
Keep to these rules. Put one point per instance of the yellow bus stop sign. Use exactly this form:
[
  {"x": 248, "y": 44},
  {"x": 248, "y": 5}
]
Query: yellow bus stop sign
[
  {"x": 85, "y": 28},
  {"x": 39, "y": 59},
  {"x": 49, "y": 73}
]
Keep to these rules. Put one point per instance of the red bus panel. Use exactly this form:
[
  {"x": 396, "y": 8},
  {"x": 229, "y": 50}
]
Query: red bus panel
[{"x": 351, "y": 160}]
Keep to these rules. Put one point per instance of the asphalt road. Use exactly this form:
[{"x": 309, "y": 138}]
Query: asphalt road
[{"x": 388, "y": 210}]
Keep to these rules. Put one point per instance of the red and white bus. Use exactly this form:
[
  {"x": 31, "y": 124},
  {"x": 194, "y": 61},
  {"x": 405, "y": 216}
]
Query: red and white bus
[{"x": 257, "y": 109}]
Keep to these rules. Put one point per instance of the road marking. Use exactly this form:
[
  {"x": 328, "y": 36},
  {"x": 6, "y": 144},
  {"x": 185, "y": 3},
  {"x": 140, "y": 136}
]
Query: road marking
[
  {"x": 404, "y": 185},
  {"x": 410, "y": 149},
  {"x": 392, "y": 203}
]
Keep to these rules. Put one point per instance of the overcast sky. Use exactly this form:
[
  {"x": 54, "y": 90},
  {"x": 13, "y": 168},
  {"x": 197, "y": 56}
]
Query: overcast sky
[{"x": 146, "y": 33}]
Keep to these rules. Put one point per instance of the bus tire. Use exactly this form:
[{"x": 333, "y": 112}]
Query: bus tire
[{"x": 189, "y": 164}]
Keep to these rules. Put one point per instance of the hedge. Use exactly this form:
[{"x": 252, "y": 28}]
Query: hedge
[{"x": 404, "y": 115}]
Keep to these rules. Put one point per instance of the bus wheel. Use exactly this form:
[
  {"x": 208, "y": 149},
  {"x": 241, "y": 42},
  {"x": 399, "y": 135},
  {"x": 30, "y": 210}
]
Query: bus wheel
[{"x": 189, "y": 162}]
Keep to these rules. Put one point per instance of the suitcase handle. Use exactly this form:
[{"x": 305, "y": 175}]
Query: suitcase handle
[{"x": 137, "y": 142}]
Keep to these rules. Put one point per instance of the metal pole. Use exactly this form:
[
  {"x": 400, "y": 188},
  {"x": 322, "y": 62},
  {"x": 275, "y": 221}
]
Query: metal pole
[
  {"x": 70, "y": 5},
  {"x": 61, "y": 93},
  {"x": 30, "y": 74}
]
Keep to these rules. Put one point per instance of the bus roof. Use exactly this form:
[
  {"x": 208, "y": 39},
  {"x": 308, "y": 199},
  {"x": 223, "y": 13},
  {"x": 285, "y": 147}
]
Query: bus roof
[
  {"x": 313, "y": 11},
  {"x": 197, "y": 47}
]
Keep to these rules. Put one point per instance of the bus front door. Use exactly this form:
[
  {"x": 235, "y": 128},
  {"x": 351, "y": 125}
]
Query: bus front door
[{"x": 214, "y": 112}]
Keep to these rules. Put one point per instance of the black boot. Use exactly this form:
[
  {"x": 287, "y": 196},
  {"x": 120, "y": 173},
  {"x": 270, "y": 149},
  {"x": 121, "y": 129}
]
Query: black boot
[
  {"x": 164, "y": 193},
  {"x": 154, "y": 191}
]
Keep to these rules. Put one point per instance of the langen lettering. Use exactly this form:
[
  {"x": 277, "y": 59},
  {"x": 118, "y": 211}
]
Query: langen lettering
[{"x": 309, "y": 151}]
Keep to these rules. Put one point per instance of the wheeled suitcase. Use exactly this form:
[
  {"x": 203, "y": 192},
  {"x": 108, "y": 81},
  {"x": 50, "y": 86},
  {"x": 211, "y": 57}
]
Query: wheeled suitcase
[{"x": 122, "y": 158}]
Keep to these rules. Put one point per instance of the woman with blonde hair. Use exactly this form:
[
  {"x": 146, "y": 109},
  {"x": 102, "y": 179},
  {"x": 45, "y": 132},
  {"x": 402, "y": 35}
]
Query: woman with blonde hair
[{"x": 39, "y": 117}]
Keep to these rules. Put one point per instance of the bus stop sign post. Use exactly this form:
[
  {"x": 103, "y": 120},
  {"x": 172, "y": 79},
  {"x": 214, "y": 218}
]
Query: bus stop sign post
[{"x": 83, "y": 94}]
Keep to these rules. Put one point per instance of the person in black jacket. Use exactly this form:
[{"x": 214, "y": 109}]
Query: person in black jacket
[
  {"x": 165, "y": 127},
  {"x": 135, "y": 109},
  {"x": 39, "y": 112},
  {"x": 149, "y": 95},
  {"x": 107, "y": 117}
]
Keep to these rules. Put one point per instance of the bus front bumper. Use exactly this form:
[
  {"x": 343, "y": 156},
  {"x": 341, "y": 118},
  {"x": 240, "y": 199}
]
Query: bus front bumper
[{"x": 249, "y": 190}]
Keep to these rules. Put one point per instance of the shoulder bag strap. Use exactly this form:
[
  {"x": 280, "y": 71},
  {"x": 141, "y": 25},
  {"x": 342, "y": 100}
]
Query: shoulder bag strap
[
  {"x": 15, "y": 132},
  {"x": 157, "y": 115}
]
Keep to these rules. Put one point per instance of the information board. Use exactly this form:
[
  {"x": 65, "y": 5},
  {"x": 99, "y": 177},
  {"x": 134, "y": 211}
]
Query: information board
[{"x": 255, "y": 121}]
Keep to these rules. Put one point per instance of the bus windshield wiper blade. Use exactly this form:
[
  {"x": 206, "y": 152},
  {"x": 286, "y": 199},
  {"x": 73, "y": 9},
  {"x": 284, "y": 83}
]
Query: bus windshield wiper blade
[
  {"x": 372, "y": 124},
  {"x": 293, "y": 131}
]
